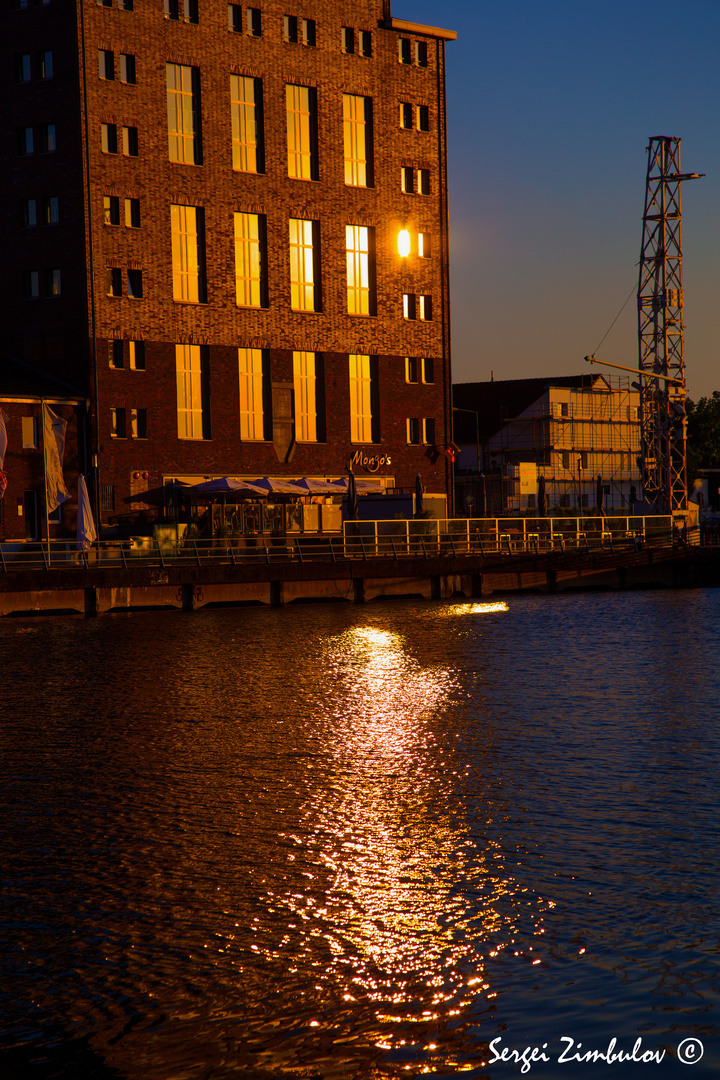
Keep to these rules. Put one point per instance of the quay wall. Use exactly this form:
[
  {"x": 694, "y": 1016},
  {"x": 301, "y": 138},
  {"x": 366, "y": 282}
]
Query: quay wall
[{"x": 186, "y": 586}]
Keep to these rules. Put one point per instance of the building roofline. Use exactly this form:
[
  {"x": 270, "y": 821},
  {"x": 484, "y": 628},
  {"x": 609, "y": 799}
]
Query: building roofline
[{"x": 420, "y": 28}]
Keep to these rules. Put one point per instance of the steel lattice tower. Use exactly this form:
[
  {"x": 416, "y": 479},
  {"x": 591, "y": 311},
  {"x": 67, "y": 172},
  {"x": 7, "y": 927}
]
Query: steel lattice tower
[{"x": 660, "y": 326}]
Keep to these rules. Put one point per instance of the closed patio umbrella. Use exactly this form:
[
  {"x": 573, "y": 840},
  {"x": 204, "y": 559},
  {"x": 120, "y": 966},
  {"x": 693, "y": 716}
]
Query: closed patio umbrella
[
  {"x": 419, "y": 492},
  {"x": 600, "y": 494},
  {"x": 352, "y": 497}
]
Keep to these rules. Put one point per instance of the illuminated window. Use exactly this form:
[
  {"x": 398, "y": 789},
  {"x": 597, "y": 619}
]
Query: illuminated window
[
  {"x": 363, "y": 399},
  {"x": 424, "y": 181},
  {"x": 423, "y": 118},
  {"x": 250, "y": 374},
  {"x": 301, "y": 107},
  {"x": 357, "y": 129},
  {"x": 360, "y": 257},
  {"x": 192, "y": 411},
  {"x": 304, "y": 290},
  {"x": 425, "y": 308},
  {"x": 407, "y": 179},
  {"x": 188, "y": 254},
  {"x": 30, "y": 434},
  {"x": 409, "y": 306},
  {"x": 305, "y": 396},
  {"x": 250, "y": 260},
  {"x": 246, "y": 119},
  {"x": 183, "y": 111},
  {"x": 424, "y": 245}
]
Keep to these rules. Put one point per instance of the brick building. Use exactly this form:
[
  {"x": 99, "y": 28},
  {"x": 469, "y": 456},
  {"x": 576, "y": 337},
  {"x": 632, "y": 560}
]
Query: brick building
[{"x": 229, "y": 227}]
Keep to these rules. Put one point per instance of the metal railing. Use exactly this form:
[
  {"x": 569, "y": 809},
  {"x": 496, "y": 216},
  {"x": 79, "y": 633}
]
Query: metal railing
[{"x": 396, "y": 539}]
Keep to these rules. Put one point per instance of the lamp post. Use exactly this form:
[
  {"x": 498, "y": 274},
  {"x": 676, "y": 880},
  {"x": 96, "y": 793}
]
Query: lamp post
[{"x": 474, "y": 412}]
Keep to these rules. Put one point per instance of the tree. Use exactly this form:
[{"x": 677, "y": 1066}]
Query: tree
[{"x": 703, "y": 434}]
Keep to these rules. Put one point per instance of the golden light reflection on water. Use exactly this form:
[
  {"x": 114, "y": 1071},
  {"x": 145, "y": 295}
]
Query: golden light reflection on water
[{"x": 413, "y": 908}]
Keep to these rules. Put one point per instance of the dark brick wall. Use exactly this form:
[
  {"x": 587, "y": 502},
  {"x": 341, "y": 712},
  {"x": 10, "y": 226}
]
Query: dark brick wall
[{"x": 157, "y": 182}]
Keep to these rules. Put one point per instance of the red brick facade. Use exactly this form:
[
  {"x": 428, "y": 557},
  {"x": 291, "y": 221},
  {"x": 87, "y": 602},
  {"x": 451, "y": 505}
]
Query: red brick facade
[{"x": 68, "y": 334}]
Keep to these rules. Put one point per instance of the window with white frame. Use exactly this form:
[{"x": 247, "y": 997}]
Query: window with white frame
[
  {"x": 246, "y": 121},
  {"x": 250, "y": 260},
  {"x": 191, "y": 408},
  {"x": 304, "y": 380},
  {"x": 250, "y": 376}
]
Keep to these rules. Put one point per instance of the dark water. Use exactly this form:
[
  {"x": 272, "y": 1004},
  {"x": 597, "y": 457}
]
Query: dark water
[{"x": 362, "y": 842}]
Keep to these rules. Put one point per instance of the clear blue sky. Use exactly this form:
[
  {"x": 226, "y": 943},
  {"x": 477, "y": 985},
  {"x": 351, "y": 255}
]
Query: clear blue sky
[{"x": 550, "y": 107}]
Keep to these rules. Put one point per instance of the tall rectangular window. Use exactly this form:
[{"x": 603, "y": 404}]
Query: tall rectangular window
[
  {"x": 130, "y": 141},
  {"x": 183, "y": 110},
  {"x": 307, "y": 32},
  {"x": 134, "y": 284},
  {"x": 254, "y": 22},
  {"x": 108, "y": 136},
  {"x": 250, "y": 260},
  {"x": 111, "y": 207},
  {"x": 360, "y": 258},
  {"x": 301, "y": 107},
  {"x": 50, "y": 210},
  {"x": 28, "y": 212},
  {"x": 132, "y": 213},
  {"x": 250, "y": 375},
  {"x": 235, "y": 18},
  {"x": 44, "y": 64},
  {"x": 106, "y": 63},
  {"x": 357, "y": 130},
  {"x": 347, "y": 40},
  {"x": 424, "y": 245},
  {"x": 192, "y": 411},
  {"x": 115, "y": 353},
  {"x": 22, "y": 67},
  {"x": 304, "y": 379},
  {"x": 127, "y": 68},
  {"x": 136, "y": 355},
  {"x": 363, "y": 399},
  {"x": 46, "y": 139},
  {"x": 26, "y": 143},
  {"x": 247, "y": 128},
  {"x": 304, "y": 279},
  {"x": 188, "y": 253}
]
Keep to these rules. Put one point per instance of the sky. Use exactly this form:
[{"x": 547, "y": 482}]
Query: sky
[{"x": 550, "y": 108}]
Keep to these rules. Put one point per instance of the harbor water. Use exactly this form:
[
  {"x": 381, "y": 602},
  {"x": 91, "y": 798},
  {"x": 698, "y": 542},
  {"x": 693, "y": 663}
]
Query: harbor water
[{"x": 363, "y": 842}]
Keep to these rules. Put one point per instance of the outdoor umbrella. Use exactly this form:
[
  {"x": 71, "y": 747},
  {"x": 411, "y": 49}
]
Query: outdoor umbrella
[
  {"x": 308, "y": 486},
  {"x": 352, "y": 497},
  {"x": 599, "y": 494},
  {"x": 276, "y": 486},
  {"x": 419, "y": 492},
  {"x": 226, "y": 485},
  {"x": 542, "y": 497},
  {"x": 86, "y": 533},
  {"x": 363, "y": 487}
]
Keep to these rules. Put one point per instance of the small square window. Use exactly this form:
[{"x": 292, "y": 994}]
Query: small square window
[
  {"x": 365, "y": 43},
  {"x": 407, "y": 179},
  {"x": 409, "y": 305},
  {"x": 406, "y": 115},
  {"x": 413, "y": 431},
  {"x": 424, "y": 181},
  {"x": 115, "y": 354},
  {"x": 127, "y": 68},
  {"x": 132, "y": 213},
  {"x": 425, "y": 306},
  {"x": 135, "y": 284},
  {"x": 428, "y": 370},
  {"x": 118, "y": 426},
  {"x": 111, "y": 205},
  {"x": 423, "y": 118},
  {"x": 28, "y": 213},
  {"x": 235, "y": 20},
  {"x": 108, "y": 138},
  {"x": 114, "y": 281},
  {"x": 411, "y": 369},
  {"x": 22, "y": 67},
  {"x": 136, "y": 355},
  {"x": 421, "y": 53},
  {"x": 347, "y": 40},
  {"x": 130, "y": 141},
  {"x": 424, "y": 245},
  {"x": 290, "y": 29},
  {"x": 50, "y": 208},
  {"x": 31, "y": 284},
  {"x": 106, "y": 64},
  {"x": 254, "y": 22},
  {"x": 30, "y": 433},
  {"x": 405, "y": 51}
]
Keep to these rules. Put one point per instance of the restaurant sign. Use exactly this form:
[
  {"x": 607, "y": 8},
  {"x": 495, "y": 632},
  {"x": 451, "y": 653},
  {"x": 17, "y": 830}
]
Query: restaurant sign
[{"x": 370, "y": 464}]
